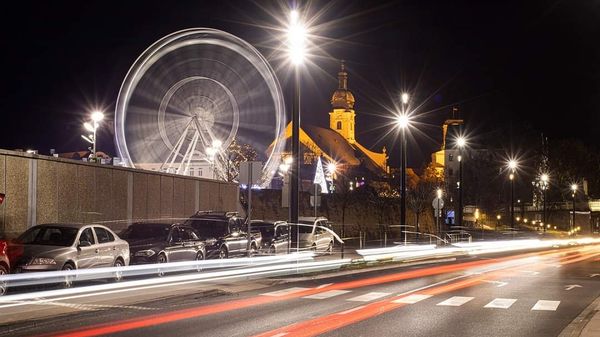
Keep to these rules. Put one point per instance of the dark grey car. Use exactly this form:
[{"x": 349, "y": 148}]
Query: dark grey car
[{"x": 69, "y": 246}]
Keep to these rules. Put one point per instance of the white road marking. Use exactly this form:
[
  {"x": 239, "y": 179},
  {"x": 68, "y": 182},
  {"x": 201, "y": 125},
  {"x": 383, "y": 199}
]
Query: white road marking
[
  {"x": 284, "y": 292},
  {"x": 501, "y": 303},
  {"x": 412, "y": 299},
  {"x": 497, "y": 283},
  {"x": 324, "y": 285},
  {"x": 280, "y": 334},
  {"x": 351, "y": 310},
  {"x": 572, "y": 286},
  {"x": 368, "y": 297},
  {"x": 594, "y": 275},
  {"x": 546, "y": 305},
  {"x": 456, "y": 301},
  {"x": 327, "y": 294}
]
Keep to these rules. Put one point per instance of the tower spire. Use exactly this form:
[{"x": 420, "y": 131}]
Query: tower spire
[{"x": 343, "y": 77}]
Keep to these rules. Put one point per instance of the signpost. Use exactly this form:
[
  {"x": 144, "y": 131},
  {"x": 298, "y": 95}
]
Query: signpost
[
  {"x": 438, "y": 204},
  {"x": 250, "y": 174}
]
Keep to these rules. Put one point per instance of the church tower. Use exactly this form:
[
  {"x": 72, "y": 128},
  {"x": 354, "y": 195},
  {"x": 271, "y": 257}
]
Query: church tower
[{"x": 341, "y": 117}]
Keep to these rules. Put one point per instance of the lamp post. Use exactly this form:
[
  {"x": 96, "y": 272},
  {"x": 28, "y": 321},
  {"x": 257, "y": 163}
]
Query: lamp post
[
  {"x": 402, "y": 122},
  {"x": 438, "y": 211},
  {"x": 97, "y": 117},
  {"x": 544, "y": 178},
  {"x": 332, "y": 171},
  {"x": 512, "y": 166},
  {"x": 296, "y": 39},
  {"x": 498, "y": 217},
  {"x": 574, "y": 190},
  {"x": 460, "y": 142}
]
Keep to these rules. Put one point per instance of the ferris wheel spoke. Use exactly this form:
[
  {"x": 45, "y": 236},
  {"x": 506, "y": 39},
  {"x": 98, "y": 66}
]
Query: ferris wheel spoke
[{"x": 177, "y": 148}]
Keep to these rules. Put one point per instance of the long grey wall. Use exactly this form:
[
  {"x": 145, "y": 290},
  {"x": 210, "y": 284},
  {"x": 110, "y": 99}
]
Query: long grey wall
[{"x": 42, "y": 189}]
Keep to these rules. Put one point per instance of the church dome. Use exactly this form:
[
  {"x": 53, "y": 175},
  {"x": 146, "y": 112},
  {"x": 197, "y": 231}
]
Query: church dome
[{"x": 342, "y": 98}]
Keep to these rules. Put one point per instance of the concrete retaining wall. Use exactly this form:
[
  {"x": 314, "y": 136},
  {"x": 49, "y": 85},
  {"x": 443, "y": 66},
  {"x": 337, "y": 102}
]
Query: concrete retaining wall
[{"x": 42, "y": 189}]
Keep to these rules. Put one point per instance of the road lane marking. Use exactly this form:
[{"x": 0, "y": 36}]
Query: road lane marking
[
  {"x": 368, "y": 297},
  {"x": 572, "y": 286},
  {"x": 327, "y": 294},
  {"x": 324, "y": 285},
  {"x": 497, "y": 283},
  {"x": 501, "y": 303},
  {"x": 284, "y": 292},
  {"x": 281, "y": 334},
  {"x": 456, "y": 301},
  {"x": 351, "y": 310},
  {"x": 546, "y": 305},
  {"x": 412, "y": 299}
]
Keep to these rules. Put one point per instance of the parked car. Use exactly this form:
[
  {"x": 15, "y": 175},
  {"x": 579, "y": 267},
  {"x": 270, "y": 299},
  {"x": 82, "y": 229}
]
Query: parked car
[
  {"x": 313, "y": 234},
  {"x": 4, "y": 265},
  {"x": 163, "y": 242},
  {"x": 224, "y": 234},
  {"x": 274, "y": 236},
  {"x": 69, "y": 246}
]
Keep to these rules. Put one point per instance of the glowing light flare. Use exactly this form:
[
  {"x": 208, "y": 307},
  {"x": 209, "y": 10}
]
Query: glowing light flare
[
  {"x": 439, "y": 193},
  {"x": 512, "y": 165},
  {"x": 332, "y": 168},
  {"x": 217, "y": 144},
  {"x": 402, "y": 121},
  {"x": 404, "y": 97},
  {"x": 97, "y": 116},
  {"x": 89, "y": 127},
  {"x": 296, "y": 39},
  {"x": 574, "y": 187},
  {"x": 461, "y": 141},
  {"x": 545, "y": 178}
]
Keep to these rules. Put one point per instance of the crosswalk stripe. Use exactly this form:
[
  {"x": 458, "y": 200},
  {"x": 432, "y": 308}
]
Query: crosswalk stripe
[
  {"x": 456, "y": 301},
  {"x": 412, "y": 299},
  {"x": 501, "y": 303},
  {"x": 546, "y": 305},
  {"x": 284, "y": 292},
  {"x": 368, "y": 297},
  {"x": 327, "y": 294}
]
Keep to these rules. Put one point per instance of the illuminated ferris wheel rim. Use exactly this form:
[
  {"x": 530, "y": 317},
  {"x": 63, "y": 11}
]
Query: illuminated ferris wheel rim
[{"x": 198, "y": 36}]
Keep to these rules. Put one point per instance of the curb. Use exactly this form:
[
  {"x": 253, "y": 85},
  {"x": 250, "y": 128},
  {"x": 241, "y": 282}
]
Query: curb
[{"x": 577, "y": 326}]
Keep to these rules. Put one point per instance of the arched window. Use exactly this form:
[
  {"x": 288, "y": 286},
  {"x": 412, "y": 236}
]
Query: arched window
[{"x": 338, "y": 125}]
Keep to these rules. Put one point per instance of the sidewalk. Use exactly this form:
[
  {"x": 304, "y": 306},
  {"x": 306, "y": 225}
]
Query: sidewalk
[{"x": 587, "y": 324}]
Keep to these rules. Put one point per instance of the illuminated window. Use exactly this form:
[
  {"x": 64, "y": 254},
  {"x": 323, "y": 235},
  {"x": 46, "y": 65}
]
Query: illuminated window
[{"x": 339, "y": 125}]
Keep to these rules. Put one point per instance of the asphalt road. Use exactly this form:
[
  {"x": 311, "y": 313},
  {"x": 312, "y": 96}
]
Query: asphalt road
[{"x": 526, "y": 294}]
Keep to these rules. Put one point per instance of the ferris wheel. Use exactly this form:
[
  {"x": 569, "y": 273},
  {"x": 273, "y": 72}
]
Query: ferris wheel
[{"x": 192, "y": 94}]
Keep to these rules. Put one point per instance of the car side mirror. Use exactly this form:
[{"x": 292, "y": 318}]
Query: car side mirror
[{"x": 84, "y": 243}]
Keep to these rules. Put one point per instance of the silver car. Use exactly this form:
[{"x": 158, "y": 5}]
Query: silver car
[
  {"x": 313, "y": 234},
  {"x": 69, "y": 246}
]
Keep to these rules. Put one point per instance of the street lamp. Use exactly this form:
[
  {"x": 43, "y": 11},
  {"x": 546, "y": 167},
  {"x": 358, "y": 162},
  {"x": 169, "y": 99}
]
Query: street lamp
[
  {"x": 498, "y": 217},
  {"x": 512, "y": 166},
  {"x": 438, "y": 210},
  {"x": 97, "y": 117},
  {"x": 403, "y": 123},
  {"x": 460, "y": 142},
  {"x": 545, "y": 179},
  {"x": 331, "y": 172},
  {"x": 296, "y": 46},
  {"x": 574, "y": 189}
]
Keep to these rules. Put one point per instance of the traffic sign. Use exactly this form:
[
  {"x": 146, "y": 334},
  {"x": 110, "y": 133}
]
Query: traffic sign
[{"x": 437, "y": 203}]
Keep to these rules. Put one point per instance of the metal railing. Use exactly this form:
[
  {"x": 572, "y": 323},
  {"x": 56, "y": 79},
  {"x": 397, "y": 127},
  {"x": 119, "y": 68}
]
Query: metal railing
[{"x": 459, "y": 236}]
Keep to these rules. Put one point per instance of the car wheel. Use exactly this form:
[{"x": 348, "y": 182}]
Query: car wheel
[
  {"x": 313, "y": 248},
  {"x": 162, "y": 258},
  {"x": 3, "y": 285},
  {"x": 272, "y": 250},
  {"x": 330, "y": 248},
  {"x": 118, "y": 273},
  {"x": 223, "y": 254},
  {"x": 199, "y": 257},
  {"x": 253, "y": 249},
  {"x": 68, "y": 278}
]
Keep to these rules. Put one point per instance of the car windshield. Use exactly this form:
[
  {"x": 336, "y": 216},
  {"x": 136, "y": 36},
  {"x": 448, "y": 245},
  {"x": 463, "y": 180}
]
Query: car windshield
[
  {"x": 48, "y": 236},
  {"x": 208, "y": 228},
  {"x": 305, "y": 227},
  {"x": 266, "y": 229},
  {"x": 146, "y": 231}
]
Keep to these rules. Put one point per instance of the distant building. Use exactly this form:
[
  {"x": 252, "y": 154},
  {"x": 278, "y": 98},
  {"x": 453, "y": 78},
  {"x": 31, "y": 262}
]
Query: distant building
[{"x": 337, "y": 144}]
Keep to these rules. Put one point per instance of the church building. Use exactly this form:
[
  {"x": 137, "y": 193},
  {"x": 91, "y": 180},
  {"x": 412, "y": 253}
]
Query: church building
[{"x": 338, "y": 144}]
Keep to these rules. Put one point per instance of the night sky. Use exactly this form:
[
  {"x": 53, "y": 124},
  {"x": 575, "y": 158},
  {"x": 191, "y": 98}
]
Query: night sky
[{"x": 504, "y": 63}]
